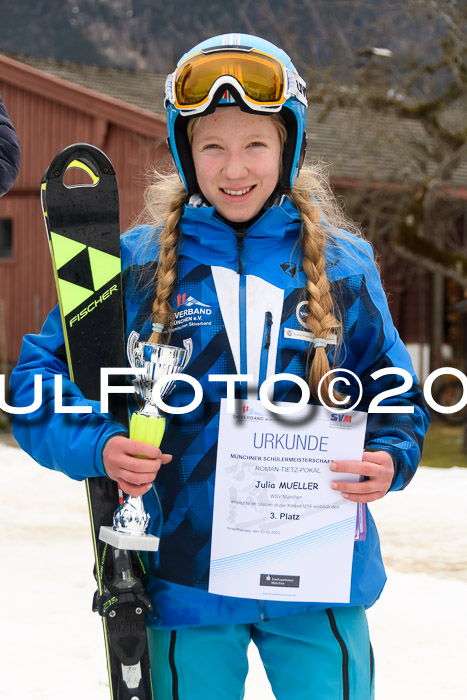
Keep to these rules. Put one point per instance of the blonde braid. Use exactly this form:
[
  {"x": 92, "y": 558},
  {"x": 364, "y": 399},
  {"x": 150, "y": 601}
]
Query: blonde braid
[
  {"x": 166, "y": 273},
  {"x": 321, "y": 318}
]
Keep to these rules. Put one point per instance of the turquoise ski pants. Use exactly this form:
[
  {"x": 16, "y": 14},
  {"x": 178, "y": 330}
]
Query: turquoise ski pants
[{"x": 324, "y": 655}]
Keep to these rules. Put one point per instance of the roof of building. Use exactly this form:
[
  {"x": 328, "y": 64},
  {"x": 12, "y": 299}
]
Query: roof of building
[
  {"x": 85, "y": 97},
  {"x": 140, "y": 88},
  {"x": 359, "y": 145}
]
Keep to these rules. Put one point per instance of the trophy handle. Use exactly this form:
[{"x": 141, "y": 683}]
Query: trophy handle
[
  {"x": 130, "y": 347},
  {"x": 188, "y": 343}
]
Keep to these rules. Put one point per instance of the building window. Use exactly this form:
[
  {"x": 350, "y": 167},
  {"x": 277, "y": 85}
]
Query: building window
[{"x": 6, "y": 238}]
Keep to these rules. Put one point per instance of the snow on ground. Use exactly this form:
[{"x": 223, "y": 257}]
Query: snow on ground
[{"x": 52, "y": 645}]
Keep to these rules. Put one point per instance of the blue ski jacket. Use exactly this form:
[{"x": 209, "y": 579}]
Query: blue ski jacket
[
  {"x": 9, "y": 151},
  {"x": 236, "y": 289}
]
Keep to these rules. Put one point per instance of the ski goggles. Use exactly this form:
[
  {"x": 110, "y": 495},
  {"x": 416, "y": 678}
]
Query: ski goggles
[{"x": 261, "y": 80}]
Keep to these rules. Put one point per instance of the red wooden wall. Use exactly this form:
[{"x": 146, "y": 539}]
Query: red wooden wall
[{"x": 49, "y": 114}]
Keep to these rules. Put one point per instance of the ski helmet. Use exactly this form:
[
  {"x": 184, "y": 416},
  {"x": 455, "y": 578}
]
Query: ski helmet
[{"x": 239, "y": 69}]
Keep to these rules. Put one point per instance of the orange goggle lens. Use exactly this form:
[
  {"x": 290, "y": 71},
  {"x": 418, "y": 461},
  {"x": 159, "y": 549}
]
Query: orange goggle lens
[{"x": 261, "y": 77}]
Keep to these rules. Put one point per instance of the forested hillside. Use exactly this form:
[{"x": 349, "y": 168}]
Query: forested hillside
[{"x": 151, "y": 34}]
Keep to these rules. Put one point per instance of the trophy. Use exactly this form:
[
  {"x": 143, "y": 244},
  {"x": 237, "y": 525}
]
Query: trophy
[{"x": 131, "y": 520}]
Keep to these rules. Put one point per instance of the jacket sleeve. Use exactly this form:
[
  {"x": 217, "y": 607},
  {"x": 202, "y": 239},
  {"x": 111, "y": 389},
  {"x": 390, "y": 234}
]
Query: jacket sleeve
[
  {"x": 68, "y": 442},
  {"x": 375, "y": 345},
  {"x": 10, "y": 156}
]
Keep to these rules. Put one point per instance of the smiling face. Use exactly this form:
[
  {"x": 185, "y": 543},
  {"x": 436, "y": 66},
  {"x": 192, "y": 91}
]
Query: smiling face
[{"x": 237, "y": 158}]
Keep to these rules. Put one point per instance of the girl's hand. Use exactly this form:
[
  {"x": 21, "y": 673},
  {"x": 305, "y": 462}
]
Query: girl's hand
[
  {"x": 377, "y": 467},
  {"x": 121, "y": 457}
]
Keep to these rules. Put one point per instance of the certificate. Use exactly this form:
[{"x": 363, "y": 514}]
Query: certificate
[{"x": 279, "y": 531}]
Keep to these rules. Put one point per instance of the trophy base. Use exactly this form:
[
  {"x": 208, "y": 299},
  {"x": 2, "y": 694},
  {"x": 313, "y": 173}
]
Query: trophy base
[{"x": 122, "y": 540}]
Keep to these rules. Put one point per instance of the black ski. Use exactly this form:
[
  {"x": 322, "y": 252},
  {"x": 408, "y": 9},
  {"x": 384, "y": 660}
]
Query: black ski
[{"x": 83, "y": 227}]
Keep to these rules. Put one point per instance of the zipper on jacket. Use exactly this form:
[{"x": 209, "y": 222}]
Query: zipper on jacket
[
  {"x": 266, "y": 342},
  {"x": 240, "y": 233},
  {"x": 345, "y": 654},
  {"x": 241, "y": 270}
]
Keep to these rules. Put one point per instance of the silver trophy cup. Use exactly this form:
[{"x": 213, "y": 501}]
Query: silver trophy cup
[{"x": 131, "y": 520}]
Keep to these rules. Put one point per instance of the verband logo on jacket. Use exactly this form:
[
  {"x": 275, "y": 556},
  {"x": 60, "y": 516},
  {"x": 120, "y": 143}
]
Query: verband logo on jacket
[{"x": 191, "y": 312}]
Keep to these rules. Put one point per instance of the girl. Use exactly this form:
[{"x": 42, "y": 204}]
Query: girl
[{"x": 256, "y": 265}]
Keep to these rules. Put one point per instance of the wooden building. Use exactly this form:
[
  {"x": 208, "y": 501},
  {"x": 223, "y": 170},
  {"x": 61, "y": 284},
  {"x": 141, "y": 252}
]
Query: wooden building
[{"x": 50, "y": 113}]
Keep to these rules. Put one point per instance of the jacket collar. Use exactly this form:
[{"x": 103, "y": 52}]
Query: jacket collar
[{"x": 202, "y": 227}]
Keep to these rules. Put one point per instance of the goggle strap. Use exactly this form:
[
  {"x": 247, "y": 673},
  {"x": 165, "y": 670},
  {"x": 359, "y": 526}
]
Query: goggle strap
[
  {"x": 169, "y": 89},
  {"x": 296, "y": 86}
]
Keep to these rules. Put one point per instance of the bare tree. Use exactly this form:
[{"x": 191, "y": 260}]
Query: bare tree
[{"x": 390, "y": 87}]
